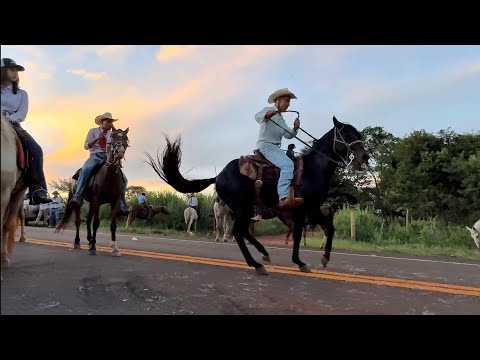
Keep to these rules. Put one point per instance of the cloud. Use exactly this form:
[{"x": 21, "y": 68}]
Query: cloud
[
  {"x": 24, "y": 50},
  {"x": 171, "y": 52},
  {"x": 88, "y": 75}
]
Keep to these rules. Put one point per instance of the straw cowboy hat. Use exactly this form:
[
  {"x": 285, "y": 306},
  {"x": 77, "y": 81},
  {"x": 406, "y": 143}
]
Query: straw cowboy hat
[
  {"x": 100, "y": 118},
  {"x": 280, "y": 92}
]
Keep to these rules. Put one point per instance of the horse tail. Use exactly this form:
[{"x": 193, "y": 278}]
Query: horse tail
[
  {"x": 168, "y": 168},
  {"x": 66, "y": 216}
]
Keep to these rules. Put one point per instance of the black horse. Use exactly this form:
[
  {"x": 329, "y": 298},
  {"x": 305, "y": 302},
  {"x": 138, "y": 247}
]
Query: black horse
[{"x": 341, "y": 146}]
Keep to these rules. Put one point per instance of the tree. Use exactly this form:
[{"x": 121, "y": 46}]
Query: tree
[
  {"x": 133, "y": 191},
  {"x": 62, "y": 185}
]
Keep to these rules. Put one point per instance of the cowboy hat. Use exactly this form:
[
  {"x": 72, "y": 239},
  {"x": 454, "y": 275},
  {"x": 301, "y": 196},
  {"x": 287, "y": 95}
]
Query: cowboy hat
[
  {"x": 7, "y": 62},
  {"x": 100, "y": 118},
  {"x": 280, "y": 92}
]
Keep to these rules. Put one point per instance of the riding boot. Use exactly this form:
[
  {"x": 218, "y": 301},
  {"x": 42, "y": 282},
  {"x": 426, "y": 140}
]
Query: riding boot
[{"x": 37, "y": 187}]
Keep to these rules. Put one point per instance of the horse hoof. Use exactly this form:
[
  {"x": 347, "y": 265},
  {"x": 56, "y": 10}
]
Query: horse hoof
[
  {"x": 261, "y": 270},
  {"x": 22, "y": 239},
  {"x": 324, "y": 261},
  {"x": 217, "y": 240},
  {"x": 92, "y": 252},
  {"x": 225, "y": 240},
  {"x": 116, "y": 253},
  {"x": 305, "y": 269},
  {"x": 266, "y": 258},
  {"x": 76, "y": 246}
]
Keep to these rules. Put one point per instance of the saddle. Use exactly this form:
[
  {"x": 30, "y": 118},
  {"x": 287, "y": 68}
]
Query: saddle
[
  {"x": 263, "y": 172},
  {"x": 92, "y": 176}
]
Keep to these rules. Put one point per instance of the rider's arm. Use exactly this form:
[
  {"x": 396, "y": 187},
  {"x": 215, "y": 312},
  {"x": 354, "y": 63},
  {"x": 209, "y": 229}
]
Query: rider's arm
[
  {"x": 291, "y": 133},
  {"x": 91, "y": 140},
  {"x": 22, "y": 111},
  {"x": 260, "y": 116}
]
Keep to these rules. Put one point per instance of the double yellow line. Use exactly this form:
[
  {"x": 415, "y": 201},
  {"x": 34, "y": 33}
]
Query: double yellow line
[{"x": 375, "y": 280}]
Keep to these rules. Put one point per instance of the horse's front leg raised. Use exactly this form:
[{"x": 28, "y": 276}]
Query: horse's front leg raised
[{"x": 113, "y": 228}]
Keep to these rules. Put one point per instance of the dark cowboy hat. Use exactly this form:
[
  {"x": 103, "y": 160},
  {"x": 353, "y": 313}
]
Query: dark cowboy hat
[{"x": 7, "y": 62}]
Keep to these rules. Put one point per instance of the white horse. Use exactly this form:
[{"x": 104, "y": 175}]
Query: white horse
[
  {"x": 12, "y": 194},
  {"x": 191, "y": 217},
  {"x": 222, "y": 215},
  {"x": 475, "y": 232}
]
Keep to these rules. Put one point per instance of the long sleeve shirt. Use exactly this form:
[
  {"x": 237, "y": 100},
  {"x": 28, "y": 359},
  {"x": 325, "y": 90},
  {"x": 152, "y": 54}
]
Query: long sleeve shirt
[
  {"x": 271, "y": 133},
  {"x": 93, "y": 134},
  {"x": 14, "y": 106}
]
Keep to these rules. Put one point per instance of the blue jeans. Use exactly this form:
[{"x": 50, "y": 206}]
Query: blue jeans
[
  {"x": 277, "y": 156},
  {"x": 86, "y": 172},
  {"x": 54, "y": 217}
]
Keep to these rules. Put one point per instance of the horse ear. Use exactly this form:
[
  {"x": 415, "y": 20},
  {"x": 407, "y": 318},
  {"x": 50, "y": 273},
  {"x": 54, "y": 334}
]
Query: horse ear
[
  {"x": 126, "y": 131},
  {"x": 337, "y": 123}
]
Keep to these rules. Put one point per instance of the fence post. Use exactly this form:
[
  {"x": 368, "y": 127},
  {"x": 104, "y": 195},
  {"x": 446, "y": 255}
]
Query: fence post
[
  {"x": 353, "y": 232},
  {"x": 407, "y": 220}
]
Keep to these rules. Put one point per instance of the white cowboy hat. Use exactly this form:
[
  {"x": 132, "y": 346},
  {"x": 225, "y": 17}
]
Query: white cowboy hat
[
  {"x": 100, "y": 118},
  {"x": 280, "y": 92}
]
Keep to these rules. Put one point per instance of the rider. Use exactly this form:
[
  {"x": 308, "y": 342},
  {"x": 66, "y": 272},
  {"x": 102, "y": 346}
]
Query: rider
[
  {"x": 193, "y": 203},
  {"x": 270, "y": 140},
  {"x": 142, "y": 201},
  {"x": 96, "y": 141},
  {"x": 15, "y": 109},
  {"x": 290, "y": 153}
]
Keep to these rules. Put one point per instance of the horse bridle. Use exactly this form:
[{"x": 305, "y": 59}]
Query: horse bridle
[
  {"x": 113, "y": 148},
  {"x": 350, "y": 156}
]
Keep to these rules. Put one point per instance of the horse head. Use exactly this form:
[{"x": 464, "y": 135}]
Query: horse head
[
  {"x": 348, "y": 146},
  {"x": 118, "y": 146}
]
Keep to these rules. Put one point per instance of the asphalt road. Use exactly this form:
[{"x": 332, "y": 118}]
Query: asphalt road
[{"x": 159, "y": 275}]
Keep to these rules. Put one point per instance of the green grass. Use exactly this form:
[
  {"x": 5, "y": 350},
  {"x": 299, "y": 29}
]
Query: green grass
[{"x": 408, "y": 249}]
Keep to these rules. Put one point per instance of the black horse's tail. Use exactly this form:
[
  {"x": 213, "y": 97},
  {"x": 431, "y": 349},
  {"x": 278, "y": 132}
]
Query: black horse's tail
[
  {"x": 168, "y": 168},
  {"x": 66, "y": 216}
]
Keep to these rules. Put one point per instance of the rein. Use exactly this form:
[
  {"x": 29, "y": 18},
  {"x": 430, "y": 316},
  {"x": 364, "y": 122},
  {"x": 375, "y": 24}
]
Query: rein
[{"x": 350, "y": 155}]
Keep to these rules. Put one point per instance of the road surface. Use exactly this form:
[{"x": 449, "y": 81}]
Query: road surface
[{"x": 160, "y": 275}]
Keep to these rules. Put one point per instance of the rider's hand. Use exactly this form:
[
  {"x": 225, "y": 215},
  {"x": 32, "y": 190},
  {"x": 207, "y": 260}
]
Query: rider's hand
[
  {"x": 270, "y": 113},
  {"x": 102, "y": 135},
  {"x": 296, "y": 123}
]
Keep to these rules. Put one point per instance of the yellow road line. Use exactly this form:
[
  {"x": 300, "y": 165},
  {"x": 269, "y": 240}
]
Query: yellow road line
[{"x": 376, "y": 280}]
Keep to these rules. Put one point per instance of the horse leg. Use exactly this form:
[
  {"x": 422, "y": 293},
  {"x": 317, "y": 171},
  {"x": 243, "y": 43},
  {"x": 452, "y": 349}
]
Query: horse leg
[
  {"x": 218, "y": 225},
  {"x": 90, "y": 238},
  {"x": 113, "y": 228},
  {"x": 305, "y": 235},
  {"x": 299, "y": 221},
  {"x": 21, "y": 214},
  {"x": 78, "y": 221},
  {"x": 96, "y": 224},
  {"x": 240, "y": 229},
  {"x": 258, "y": 246},
  {"x": 329, "y": 232}
]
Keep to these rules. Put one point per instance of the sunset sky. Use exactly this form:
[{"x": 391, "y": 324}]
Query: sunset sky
[{"x": 210, "y": 94}]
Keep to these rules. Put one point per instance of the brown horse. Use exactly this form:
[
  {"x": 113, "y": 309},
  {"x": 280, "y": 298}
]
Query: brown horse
[
  {"x": 104, "y": 187},
  {"x": 138, "y": 212}
]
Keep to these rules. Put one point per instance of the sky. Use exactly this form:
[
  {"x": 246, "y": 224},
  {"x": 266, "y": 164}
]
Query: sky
[{"x": 210, "y": 94}]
